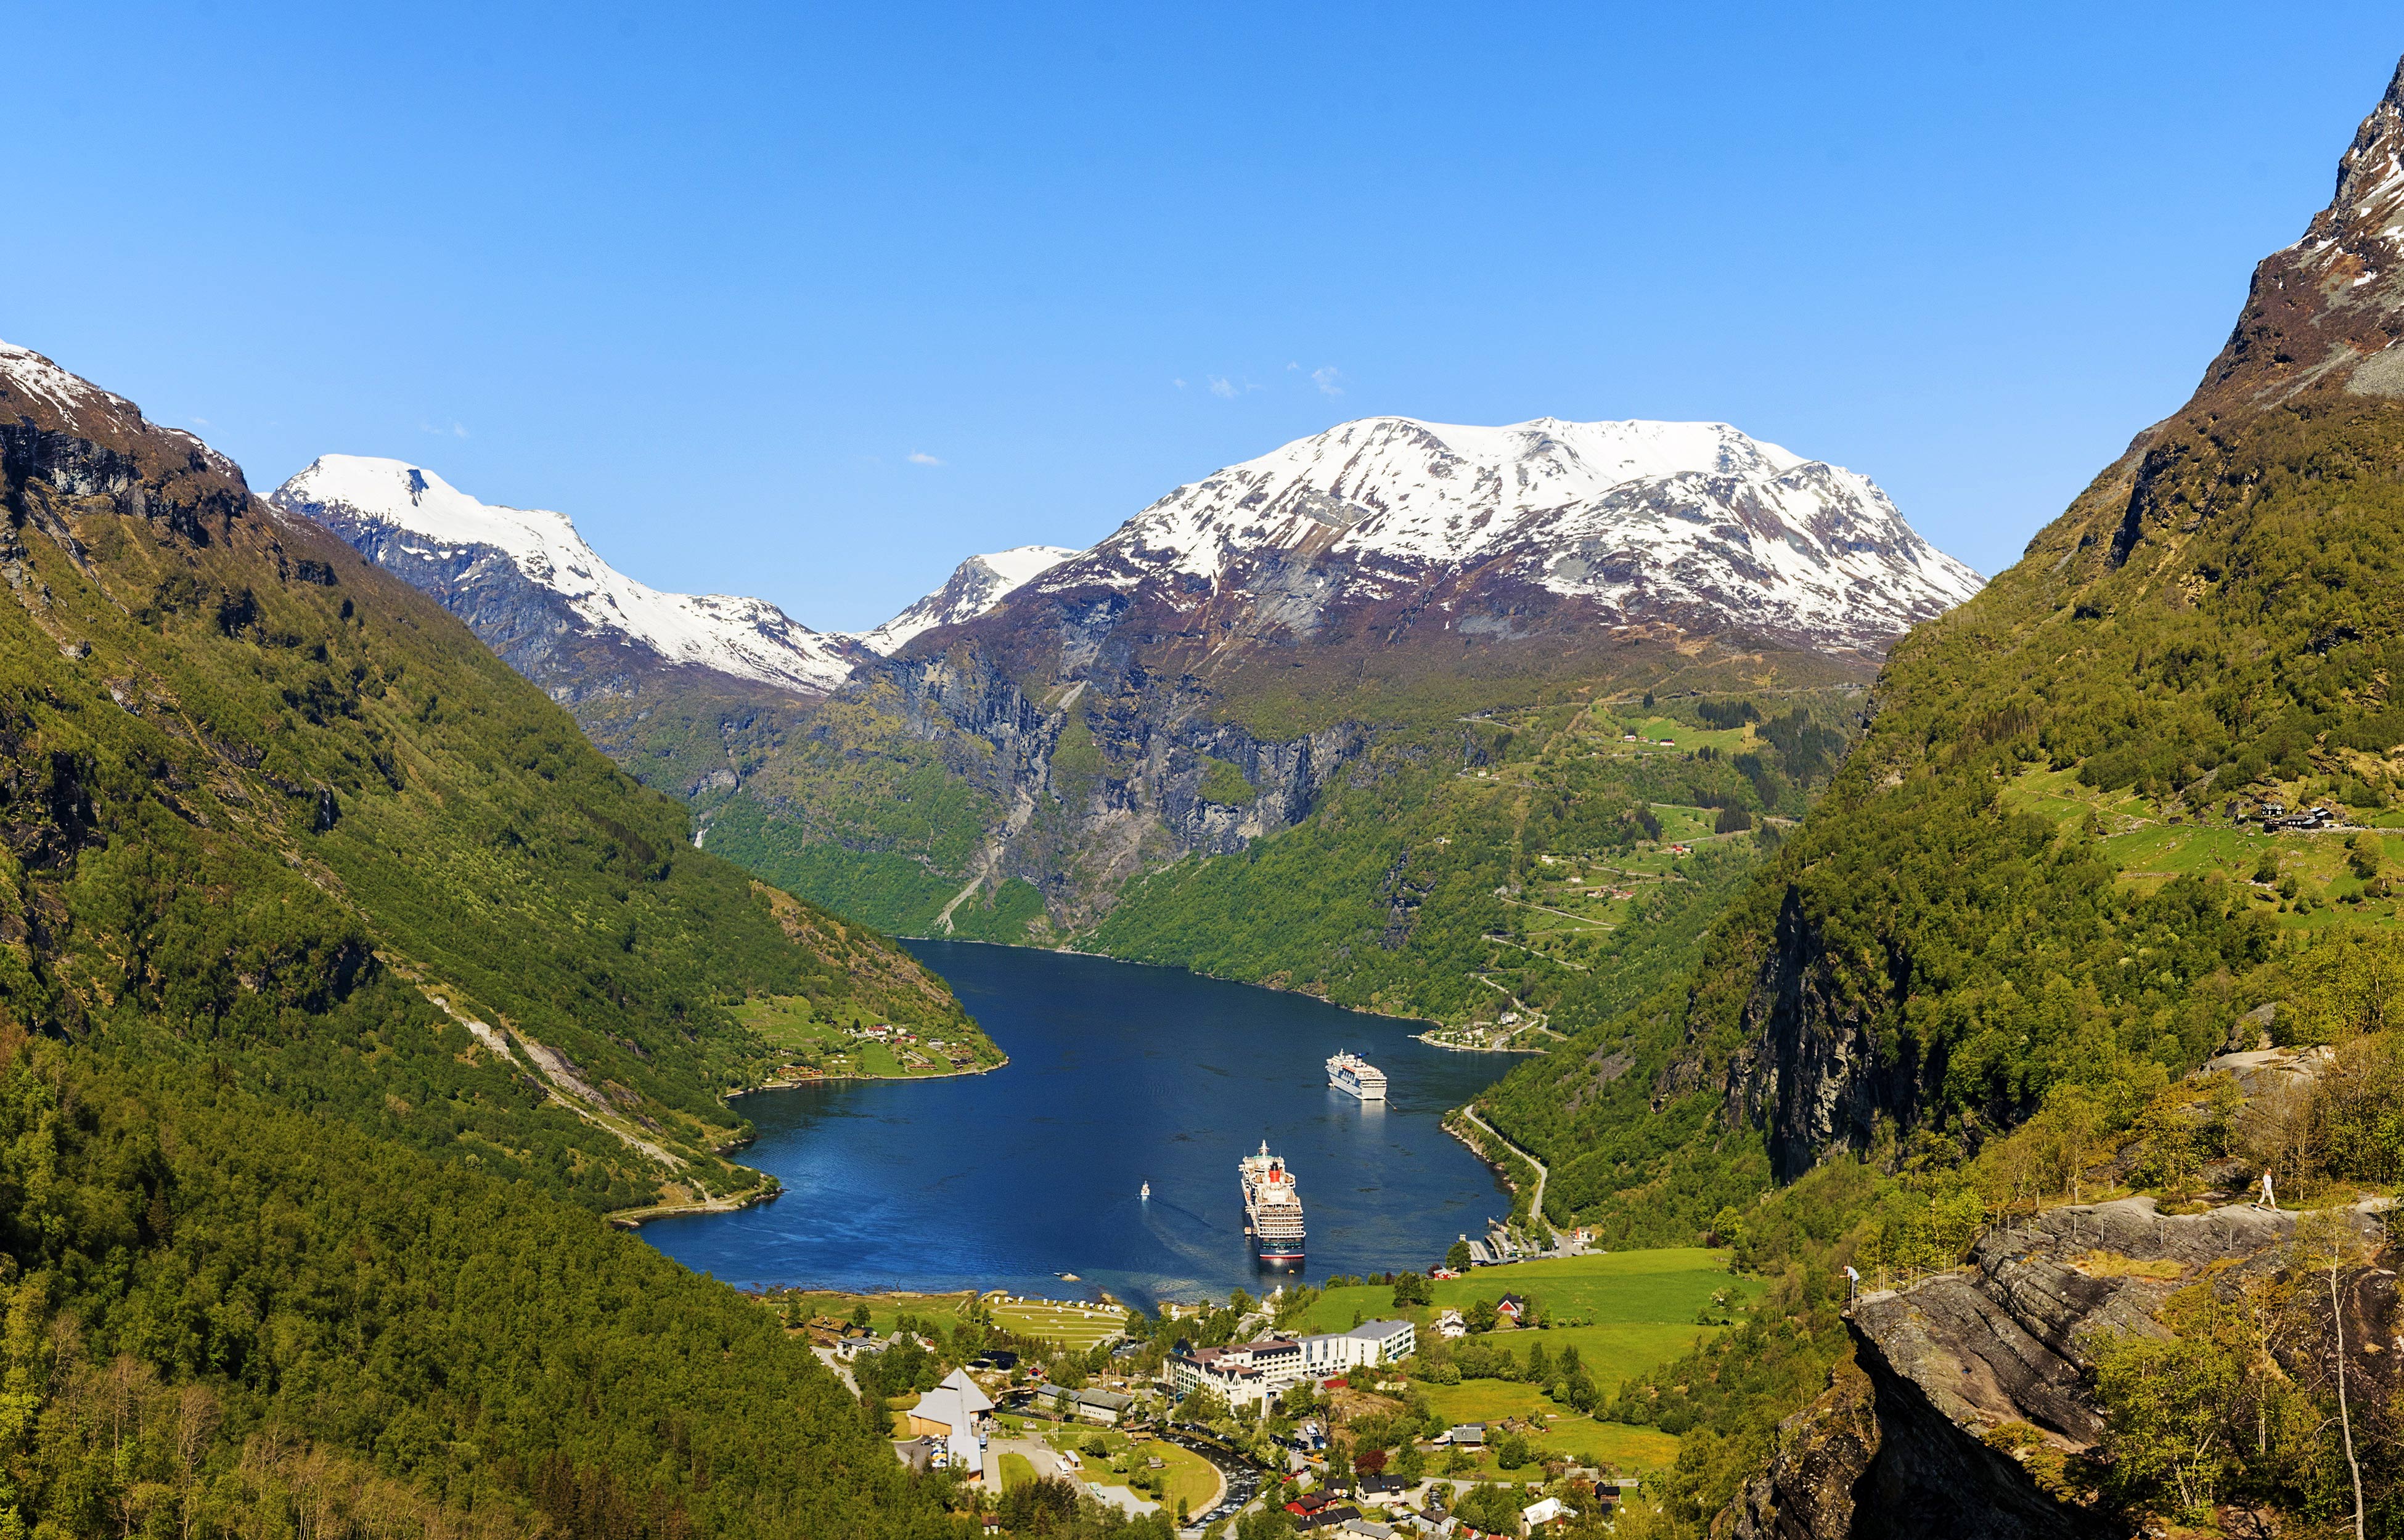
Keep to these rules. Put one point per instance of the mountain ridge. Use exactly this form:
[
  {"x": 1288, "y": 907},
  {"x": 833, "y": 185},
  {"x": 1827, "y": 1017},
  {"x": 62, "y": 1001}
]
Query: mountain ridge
[
  {"x": 382, "y": 504},
  {"x": 1642, "y": 518},
  {"x": 343, "y": 987}
]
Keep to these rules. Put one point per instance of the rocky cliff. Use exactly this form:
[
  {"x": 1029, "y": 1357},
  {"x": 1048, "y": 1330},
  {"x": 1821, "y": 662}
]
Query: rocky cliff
[
  {"x": 1971, "y": 1398},
  {"x": 2202, "y": 630}
]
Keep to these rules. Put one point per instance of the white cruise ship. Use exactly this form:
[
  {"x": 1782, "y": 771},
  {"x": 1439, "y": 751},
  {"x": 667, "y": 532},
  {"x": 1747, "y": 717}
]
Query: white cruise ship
[
  {"x": 1272, "y": 1207},
  {"x": 1352, "y": 1073}
]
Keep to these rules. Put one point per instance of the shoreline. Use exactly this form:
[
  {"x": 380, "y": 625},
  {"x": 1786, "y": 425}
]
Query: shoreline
[
  {"x": 1181, "y": 968},
  {"x": 1430, "y": 1039},
  {"x": 635, "y": 1219},
  {"x": 831, "y": 1079}
]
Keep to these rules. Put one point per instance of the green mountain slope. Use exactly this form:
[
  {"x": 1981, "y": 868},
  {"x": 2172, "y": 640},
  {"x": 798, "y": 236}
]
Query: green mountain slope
[
  {"x": 2062, "y": 868},
  {"x": 338, "y": 976},
  {"x": 2047, "y": 860},
  {"x": 1524, "y": 864}
]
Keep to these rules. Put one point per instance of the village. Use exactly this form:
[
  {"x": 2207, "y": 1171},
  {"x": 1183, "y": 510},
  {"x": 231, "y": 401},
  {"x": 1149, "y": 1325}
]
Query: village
[
  {"x": 1451, "y": 1403},
  {"x": 815, "y": 1044}
]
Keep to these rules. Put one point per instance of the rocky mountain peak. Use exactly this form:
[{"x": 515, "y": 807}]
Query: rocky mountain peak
[
  {"x": 1635, "y": 522},
  {"x": 975, "y": 585},
  {"x": 2329, "y": 308},
  {"x": 36, "y": 391},
  {"x": 532, "y": 561}
]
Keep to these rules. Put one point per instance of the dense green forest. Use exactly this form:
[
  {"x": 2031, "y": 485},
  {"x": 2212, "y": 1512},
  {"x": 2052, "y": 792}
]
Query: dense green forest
[
  {"x": 1518, "y": 863},
  {"x": 342, "y": 981},
  {"x": 2047, "y": 885}
]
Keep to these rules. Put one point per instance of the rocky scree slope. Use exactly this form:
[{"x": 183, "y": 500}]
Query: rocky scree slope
[{"x": 1193, "y": 682}]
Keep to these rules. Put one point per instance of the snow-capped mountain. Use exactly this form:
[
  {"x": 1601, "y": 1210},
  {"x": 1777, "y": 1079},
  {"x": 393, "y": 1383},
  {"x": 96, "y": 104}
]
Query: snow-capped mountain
[
  {"x": 409, "y": 519},
  {"x": 975, "y": 587},
  {"x": 1689, "y": 522},
  {"x": 85, "y": 408}
]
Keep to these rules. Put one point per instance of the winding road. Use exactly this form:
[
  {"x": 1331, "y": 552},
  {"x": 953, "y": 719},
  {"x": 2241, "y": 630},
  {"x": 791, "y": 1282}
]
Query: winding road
[{"x": 1536, "y": 1203}]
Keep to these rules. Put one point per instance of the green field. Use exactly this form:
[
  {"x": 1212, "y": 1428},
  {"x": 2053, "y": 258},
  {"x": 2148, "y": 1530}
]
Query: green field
[
  {"x": 1071, "y": 1326},
  {"x": 817, "y": 1036},
  {"x": 1016, "y": 1470},
  {"x": 1623, "y": 1312},
  {"x": 883, "y": 1310},
  {"x": 1187, "y": 1475},
  {"x": 1335, "y": 1308},
  {"x": 1628, "y": 1448},
  {"x": 2151, "y": 851}
]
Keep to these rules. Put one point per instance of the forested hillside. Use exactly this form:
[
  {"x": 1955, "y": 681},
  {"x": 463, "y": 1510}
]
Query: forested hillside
[
  {"x": 340, "y": 980},
  {"x": 1547, "y": 864},
  {"x": 2128, "y": 808}
]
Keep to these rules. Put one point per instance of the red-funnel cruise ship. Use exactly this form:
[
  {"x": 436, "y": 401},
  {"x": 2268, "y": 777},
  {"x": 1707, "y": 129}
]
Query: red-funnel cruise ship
[{"x": 1272, "y": 1207}]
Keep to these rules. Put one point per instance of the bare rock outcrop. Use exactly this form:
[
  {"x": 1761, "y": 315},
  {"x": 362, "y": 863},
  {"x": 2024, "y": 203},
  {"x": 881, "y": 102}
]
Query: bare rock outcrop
[{"x": 1968, "y": 1386}]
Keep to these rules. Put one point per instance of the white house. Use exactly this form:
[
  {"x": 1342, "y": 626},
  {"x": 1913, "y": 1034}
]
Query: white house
[
  {"x": 1367, "y": 1345},
  {"x": 1450, "y": 1325},
  {"x": 1544, "y": 1512}
]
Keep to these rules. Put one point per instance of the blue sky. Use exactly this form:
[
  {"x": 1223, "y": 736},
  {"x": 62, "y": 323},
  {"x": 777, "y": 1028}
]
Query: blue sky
[{"x": 810, "y": 303}]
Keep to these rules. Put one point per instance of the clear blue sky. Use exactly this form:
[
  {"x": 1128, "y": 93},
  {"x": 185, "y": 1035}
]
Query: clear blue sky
[{"x": 723, "y": 285}]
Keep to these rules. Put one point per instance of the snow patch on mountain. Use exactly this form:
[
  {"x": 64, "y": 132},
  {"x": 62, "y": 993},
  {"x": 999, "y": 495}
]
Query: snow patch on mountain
[
  {"x": 72, "y": 396},
  {"x": 748, "y": 638},
  {"x": 976, "y": 585},
  {"x": 1635, "y": 515}
]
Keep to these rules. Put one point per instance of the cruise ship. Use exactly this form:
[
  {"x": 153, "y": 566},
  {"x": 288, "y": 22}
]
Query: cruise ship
[
  {"x": 1272, "y": 1207},
  {"x": 1352, "y": 1073}
]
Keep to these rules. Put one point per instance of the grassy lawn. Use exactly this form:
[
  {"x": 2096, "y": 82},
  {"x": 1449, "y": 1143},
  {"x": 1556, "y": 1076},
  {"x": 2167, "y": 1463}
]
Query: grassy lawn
[
  {"x": 819, "y": 1035},
  {"x": 1187, "y": 1474},
  {"x": 1333, "y": 1310},
  {"x": 1016, "y": 1470},
  {"x": 883, "y": 1310},
  {"x": 1071, "y": 1326},
  {"x": 1567, "y": 1433},
  {"x": 1668, "y": 1284}
]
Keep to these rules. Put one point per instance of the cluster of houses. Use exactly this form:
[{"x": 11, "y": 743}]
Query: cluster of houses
[
  {"x": 1251, "y": 1374},
  {"x": 1333, "y": 1516},
  {"x": 907, "y": 1047},
  {"x": 1501, "y": 1246}
]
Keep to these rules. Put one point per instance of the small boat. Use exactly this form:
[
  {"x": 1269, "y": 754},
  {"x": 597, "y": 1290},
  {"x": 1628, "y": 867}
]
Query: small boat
[{"x": 1146, "y": 1192}]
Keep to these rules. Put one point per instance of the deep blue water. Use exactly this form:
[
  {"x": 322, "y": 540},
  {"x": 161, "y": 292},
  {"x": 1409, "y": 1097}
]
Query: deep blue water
[{"x": 1119, "y": 1074}]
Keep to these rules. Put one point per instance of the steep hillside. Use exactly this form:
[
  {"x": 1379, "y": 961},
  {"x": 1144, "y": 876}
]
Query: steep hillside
[
  {"x": 315, "y": 917},
  {"x": 2133, "y": 804},
  {"x": 2049, "y": 853}
]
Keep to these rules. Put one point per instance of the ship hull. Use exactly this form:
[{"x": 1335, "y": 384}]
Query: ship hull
[{"x": 1353, "y": 1088}]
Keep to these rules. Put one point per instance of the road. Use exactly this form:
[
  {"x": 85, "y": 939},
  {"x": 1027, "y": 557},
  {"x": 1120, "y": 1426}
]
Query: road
[
  {"x": 842, "y": 1369},
  {"x": 1535, "y": 1204}
]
